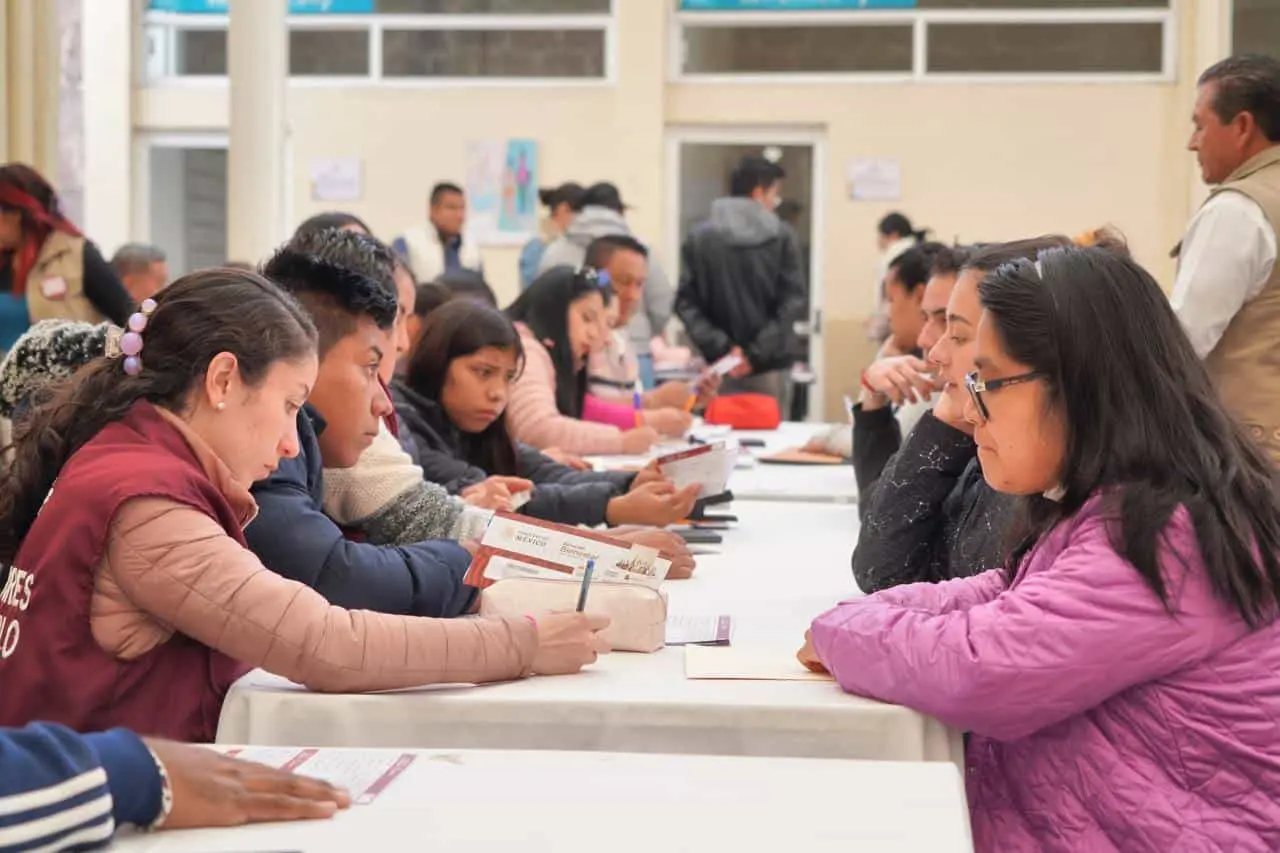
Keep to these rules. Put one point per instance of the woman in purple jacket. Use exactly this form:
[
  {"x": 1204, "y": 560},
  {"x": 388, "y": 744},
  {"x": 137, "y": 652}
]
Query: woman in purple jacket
[{"x": 1120, "y": 679}]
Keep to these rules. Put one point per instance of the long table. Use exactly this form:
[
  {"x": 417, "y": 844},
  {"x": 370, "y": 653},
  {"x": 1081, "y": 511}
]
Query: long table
[
  {"x": 570, "y": 802},
  {"x": 783, "y": 564}
]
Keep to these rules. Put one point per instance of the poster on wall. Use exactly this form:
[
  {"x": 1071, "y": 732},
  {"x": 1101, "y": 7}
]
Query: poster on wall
[
  {"x": 874, "y": 178},
  {"x": 502, "y": 190}
]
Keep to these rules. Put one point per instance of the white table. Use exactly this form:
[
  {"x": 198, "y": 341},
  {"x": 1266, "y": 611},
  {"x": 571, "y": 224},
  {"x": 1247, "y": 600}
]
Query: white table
[
  {"x": 784, "y": 564},
  {"x": 595, "y": 802},
  {"x": 809, "y": 483}
]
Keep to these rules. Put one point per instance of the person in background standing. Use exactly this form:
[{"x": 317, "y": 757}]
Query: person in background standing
[
  {"x": 1227, "y": 292},
  {"x": 142, "y": 268},
  {"x": 438, "y": 246},
  {"x": 562, "y": 204},
  {"x": 602, "y": 215},
  {"x": 48, "y": 270},
  {"x": 894, "y": 235},
  {"x": 741, "y": 286}
]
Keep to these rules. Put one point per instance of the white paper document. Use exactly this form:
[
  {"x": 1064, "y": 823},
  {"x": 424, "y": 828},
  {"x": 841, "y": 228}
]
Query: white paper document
[
  {"x": 364, "y": 774},
  {"x": 699, "y": 630},
  {"x": 707, "y": 465},
  {"x": 735, "y": 664}
]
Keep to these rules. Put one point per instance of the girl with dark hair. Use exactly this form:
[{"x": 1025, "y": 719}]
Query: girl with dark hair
[
  {"x": 561, "y": 321},
  {"x": 452, "y": 403},
  {"x": 894, "y": 236},
  {"x": 1119, "y": 678},
  {"x": 48, "y": 270},
  {"x": 132, "y": 599}
]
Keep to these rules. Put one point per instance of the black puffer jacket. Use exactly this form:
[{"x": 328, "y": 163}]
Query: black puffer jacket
[
  {"x": 927, "y": 513},
  {"x": 560, "y": 493},
  {"x": 741, "y": 285}
]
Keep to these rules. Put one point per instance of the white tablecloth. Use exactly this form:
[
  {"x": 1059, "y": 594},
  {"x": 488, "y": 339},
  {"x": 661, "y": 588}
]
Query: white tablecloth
[
  {"x": 604, "y": 803},
  {"x": 764, "y": 482},
  {"x": 782, "y": 565}
]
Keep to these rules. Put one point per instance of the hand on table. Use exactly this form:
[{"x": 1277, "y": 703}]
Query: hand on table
[
  {"x": 668, "y": 421},
  {"x": 671, "y": 546},
  {"x": 638, "y": 440},
  {"x": 654, "y": 504},
  {"x": 808, "y": 656},
  {"x": 211, "y": 789},
  {"x": 568, "y": 641},
  {"x": 495, "y": 492},
  {"x": 577, "y": 463}
]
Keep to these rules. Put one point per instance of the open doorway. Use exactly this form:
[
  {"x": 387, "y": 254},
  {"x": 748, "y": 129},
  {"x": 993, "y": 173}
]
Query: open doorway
[
  {"x": 699, "y": 162},
  {"x": 181, "y": 197}
]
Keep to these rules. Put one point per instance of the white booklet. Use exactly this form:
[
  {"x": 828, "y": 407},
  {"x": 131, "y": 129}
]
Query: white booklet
[
  {"x": 517, "y": 546},
  {"x": 707, "y": 465},
  {"x": 365, "y": 774}
]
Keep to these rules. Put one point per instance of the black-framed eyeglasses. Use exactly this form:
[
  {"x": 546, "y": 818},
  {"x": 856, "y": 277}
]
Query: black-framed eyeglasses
[{"x": 978, "y": 387}]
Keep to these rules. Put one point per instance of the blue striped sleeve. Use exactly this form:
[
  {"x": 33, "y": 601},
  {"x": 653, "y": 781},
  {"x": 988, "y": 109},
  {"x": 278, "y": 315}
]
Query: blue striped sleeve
[{"x": 57, "y": 787}]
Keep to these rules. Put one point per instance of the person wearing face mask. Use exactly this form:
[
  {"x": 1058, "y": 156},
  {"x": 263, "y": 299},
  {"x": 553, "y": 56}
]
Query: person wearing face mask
[
  {"x": 561, "y": 320},
  {"x": 452, "y": 405},
  {"x": 927, "y": 515},
  {"x": 131, "y": 598},
  {"x": 1117, "y": 676},
  {"x": 741, "y": 287}
]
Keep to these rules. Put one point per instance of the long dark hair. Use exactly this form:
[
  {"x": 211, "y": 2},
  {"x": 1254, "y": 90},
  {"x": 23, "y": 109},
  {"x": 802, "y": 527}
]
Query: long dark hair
[
  {"x": 544, "y": 308},
  {"x": 26, "y": 191},
  {"x": 197, "y": 317},
  {"x": 1144, "y": 423},
  {"x": 460, "y": 328},
  {"x": 898, "y": 225}
]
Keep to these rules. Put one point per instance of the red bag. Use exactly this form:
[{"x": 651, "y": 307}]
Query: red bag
[{"x": 745, "y": 411}]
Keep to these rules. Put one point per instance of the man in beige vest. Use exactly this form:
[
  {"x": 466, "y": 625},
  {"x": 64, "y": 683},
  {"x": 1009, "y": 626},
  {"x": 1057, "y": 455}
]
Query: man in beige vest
[{"x": 1227, "y": 292}]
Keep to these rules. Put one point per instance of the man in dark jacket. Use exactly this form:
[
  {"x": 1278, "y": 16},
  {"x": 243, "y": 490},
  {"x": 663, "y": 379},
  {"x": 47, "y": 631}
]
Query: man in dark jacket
[
  {"x": 344, "y": 280},
  {"x": 741, "y": 285}
]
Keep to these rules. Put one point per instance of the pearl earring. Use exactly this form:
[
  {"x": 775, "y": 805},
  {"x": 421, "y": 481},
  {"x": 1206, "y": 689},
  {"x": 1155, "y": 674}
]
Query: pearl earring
[{"x": 222, "y": 405}]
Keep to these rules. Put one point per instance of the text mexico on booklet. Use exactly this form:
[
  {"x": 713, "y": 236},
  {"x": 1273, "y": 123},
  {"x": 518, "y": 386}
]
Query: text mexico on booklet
[
  {"x": 518, "y": 546},
  {"x": 708, "y": 465}
]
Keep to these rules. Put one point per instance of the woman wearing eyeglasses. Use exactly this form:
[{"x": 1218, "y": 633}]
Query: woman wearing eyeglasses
[{"x": 1119, "y": 680}]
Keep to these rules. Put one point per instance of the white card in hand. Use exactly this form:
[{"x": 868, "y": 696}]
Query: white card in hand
[{"x": 707, "y": 465}]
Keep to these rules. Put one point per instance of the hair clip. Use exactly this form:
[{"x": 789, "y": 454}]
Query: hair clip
[
  {"x": 598, "y": 277},
  {"x": 130, "y": 343}
]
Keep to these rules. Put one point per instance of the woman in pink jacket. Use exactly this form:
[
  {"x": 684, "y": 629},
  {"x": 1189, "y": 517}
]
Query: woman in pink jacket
[
  {"x": 1120, "y": 680},
  {"x": 131, "y": 598},
  {"x": 561, "y": 320}
]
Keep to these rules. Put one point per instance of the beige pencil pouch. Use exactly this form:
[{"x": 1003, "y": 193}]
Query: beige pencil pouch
[{"x": 637, "y": 614}]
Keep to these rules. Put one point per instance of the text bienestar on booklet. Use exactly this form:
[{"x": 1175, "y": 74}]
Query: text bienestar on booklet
[{"x": 517, "y": 546}]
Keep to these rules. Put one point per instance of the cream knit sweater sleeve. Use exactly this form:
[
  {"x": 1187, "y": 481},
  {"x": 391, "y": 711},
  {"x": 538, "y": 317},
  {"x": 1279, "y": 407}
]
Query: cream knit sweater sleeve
[{"x": 385, "y": 496}]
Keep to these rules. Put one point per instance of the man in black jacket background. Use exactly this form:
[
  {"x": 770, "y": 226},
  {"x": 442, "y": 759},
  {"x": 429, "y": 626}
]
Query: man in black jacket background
[{"x": 742, "y": 287}]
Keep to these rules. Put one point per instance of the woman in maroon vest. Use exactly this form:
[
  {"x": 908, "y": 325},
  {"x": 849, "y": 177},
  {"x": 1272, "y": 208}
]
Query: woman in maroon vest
[{"x": 131, "y": 599}]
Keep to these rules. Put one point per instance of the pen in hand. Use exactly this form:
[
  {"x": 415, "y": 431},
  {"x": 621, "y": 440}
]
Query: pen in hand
[{"x": 586, "y": 584}]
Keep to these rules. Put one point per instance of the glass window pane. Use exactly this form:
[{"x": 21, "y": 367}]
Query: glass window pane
[
  {"x": 1042, "y": 4},
  {"x": 1045, "y": 48},
  {"x": 493, "y": 53},
  {"x": 797, "y": 50},
  {"x": 328, "y": 53},
  {"x": 495, "y": 7},
  {"x": 200, "y": 52},
  {"x": 1256, "y": 27}
]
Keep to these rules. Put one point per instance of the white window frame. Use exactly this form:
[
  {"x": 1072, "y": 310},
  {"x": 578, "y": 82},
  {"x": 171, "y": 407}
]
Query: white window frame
[
  {"x": 376, "y": 24},
  {"x": 919, "y": 21}
]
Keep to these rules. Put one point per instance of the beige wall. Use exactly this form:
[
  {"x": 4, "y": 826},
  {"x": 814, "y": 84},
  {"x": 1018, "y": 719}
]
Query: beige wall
[{"x": 979, "y": 161}]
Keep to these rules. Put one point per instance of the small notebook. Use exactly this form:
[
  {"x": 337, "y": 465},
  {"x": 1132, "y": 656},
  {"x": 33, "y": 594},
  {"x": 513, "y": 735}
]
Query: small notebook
[
  {"x": 699, "y": 630},
  {"x": 736, "y": 664},
  {"x": 800, "y": 457}
]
